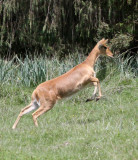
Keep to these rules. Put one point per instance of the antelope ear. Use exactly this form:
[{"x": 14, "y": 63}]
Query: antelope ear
[
  {"x": 106, "y": 41},
  {"x": 101, "y": 41}
]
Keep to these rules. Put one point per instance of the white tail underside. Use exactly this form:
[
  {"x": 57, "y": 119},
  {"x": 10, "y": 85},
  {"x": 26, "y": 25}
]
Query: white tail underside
[{"x": 34, "y": 106}]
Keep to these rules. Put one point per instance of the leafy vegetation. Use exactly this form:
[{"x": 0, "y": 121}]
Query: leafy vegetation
[{"x": 34, "y": 27}]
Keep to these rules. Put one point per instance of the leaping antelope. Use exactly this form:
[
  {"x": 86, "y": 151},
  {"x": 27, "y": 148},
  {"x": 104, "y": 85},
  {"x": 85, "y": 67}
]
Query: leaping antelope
[{"x": 47, "y": 93}]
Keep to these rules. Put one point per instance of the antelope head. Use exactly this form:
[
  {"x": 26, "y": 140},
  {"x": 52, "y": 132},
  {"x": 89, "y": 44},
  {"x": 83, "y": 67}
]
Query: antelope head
[{"x": 104, "y": 49}]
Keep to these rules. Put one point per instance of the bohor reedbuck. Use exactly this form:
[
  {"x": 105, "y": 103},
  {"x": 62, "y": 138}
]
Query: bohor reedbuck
[{"x": 48, "y": 93}]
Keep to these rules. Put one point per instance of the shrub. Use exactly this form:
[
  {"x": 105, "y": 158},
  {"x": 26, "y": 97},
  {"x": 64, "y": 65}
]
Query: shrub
[{"x": 120, "y": 42}]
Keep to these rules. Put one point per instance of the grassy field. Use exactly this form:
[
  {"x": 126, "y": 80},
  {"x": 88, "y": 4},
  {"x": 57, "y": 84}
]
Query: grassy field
[{"x": 73, "y": 129}]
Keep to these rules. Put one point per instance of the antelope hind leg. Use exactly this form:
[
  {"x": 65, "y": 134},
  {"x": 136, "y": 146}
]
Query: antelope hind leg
[{"x": 25, "y": 110}]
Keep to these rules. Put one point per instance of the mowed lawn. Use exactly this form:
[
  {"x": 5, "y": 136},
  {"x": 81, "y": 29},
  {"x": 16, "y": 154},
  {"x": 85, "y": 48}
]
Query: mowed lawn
[{"x": 73, "y": 129}]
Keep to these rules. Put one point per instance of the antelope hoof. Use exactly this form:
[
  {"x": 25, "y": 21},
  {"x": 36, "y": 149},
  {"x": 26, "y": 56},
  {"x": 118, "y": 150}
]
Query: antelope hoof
[
  {"x": 87, "y": 100},
  {"x": 90, "y": 99},
  {"x": 97, "y": 98}
]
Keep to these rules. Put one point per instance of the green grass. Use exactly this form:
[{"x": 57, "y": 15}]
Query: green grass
[
  {"x": 73, "y": 129},
  {"x": 32, "y": 71}
]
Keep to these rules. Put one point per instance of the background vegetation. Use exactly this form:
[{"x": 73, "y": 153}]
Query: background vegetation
[{"x": 58, "y": 27}]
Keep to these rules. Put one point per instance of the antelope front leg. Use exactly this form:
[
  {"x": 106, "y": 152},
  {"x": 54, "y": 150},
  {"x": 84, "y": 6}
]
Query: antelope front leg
[{"x": 97, "y": 85}]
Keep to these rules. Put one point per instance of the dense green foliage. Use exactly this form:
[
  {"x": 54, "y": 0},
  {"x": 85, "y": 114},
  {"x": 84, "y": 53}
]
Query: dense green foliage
[{"x": 43, "y": 26}]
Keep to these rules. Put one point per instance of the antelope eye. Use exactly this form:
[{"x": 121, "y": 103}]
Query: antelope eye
[{"x": 104, "y": 47}]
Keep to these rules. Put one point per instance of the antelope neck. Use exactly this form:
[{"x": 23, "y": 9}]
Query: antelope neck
[{"x": 92, "y": 58}]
